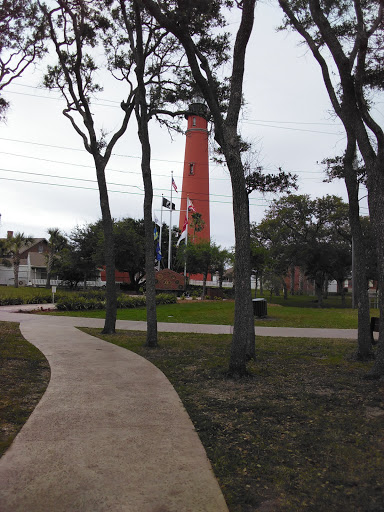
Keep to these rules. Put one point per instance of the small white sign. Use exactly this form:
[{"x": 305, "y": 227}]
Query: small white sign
[{"x": 53, "y": 289}]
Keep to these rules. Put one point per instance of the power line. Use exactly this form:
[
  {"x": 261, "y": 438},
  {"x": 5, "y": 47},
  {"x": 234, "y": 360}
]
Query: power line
[
  {"x": 78, "y": 149},
  {"x": 117, "y": 170},
  {"x": 94, "y": 181},
  {"x": 291, "y": 129},
  {"x": 61, "y": 162},
  {"x": 113, "y": 191}
]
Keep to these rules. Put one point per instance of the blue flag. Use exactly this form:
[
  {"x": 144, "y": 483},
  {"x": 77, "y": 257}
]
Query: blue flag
[
  {"x": 155, "y": 233},
  {"x": 158, "y": 252}
]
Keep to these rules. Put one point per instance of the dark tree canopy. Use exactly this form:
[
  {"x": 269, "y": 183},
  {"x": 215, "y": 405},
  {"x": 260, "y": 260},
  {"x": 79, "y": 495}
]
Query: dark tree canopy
[{"x": 22, "y": 42}]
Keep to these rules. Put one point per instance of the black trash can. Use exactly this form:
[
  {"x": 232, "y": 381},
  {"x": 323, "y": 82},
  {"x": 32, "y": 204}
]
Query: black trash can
[{"x": 259, "y": 307}]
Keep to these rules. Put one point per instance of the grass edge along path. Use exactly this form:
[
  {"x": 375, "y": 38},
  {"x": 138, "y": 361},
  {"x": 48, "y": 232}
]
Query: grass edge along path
[
  {"x": 222, "y": 312},
  {"x": 304, "y": 432},
  {"x": 24, "y": 378}
]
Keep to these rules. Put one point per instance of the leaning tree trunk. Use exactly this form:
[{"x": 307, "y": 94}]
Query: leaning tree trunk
[{"x": 109, "y": 250}]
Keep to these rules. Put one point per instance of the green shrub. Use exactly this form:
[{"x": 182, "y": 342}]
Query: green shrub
[
  {"x": 166, "y": 298},
  {"x": 10, "y": 301},
  {"x": 21, "y": 299},
  {"x": 86, "y": 301},
  {"x": 130, "y": 301},
  {"x": 78, "y": 303}
]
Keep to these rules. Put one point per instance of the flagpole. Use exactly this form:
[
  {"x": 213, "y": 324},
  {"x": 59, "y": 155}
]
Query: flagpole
[
  {"x": 170, "y": 227},
  {"x": 161, "y": 227},
  {"x": 186, "y": 242}
]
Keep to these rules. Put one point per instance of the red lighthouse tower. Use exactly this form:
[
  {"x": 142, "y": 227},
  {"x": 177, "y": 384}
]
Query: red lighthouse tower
[{"x": 196, "y": 171}]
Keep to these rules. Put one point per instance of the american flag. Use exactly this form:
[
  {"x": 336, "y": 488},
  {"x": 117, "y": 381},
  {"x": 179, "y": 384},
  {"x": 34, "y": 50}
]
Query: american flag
[
  {"x": 191, "y": 208},
  {"x": 174, "y": 184}
]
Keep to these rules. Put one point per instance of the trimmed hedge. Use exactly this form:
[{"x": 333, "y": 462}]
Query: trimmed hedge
[
  {"x": 83, "y": 303},
  {"x": 75, "y": 301},
  {"x": 166, "y": 298},
  {"x": 17, "y": 300},
  {"x": 78, "y": 303}
]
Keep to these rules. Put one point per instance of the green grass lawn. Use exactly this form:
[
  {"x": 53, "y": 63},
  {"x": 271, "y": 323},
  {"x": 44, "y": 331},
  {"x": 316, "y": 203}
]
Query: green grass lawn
[
  {"x": 303, "y": 433},
  {"x": 296, "y": 311},
  {"x": 222, "y": 312},
  {"x": 24, "y": 377}
]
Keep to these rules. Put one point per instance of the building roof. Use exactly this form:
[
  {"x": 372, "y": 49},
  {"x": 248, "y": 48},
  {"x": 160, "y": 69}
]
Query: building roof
[
  {"x": 37, "y": 259},
  {"x": 36, "y": 241},
  {"x": 25, "y": 248}
]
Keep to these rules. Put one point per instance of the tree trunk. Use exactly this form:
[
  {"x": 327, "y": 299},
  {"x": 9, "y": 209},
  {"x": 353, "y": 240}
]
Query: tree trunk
[
  {"x": 109, "y": 251},
  {"x": 141, "y": 112},
  {"x": 319, "y": 284},
  {"x": 326, "y": 286},
  {"x": 293, "y": 270},
  {"x": 243, "y": 340},
  {"x": 340, "y": 286},
  {"x": 364, "y": 342},
  {"x": 49, "y": 268},
  {"x": 16, "y": 267},
  {"x": 150, "y": 290},
  {"x": 261, "y": 284},
  {"x": 376, "y": 208},
  {"x": 204, "y": 285},
  {"x": 301, "y": 281}
]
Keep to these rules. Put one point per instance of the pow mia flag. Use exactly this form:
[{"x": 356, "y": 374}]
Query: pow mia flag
[{"x": 167, "y": 204}]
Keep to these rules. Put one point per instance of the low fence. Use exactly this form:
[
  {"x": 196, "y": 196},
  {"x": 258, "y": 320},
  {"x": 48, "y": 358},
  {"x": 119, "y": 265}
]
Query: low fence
[
  {"x": 211, "y": 284},
  {"x": 57, "y": 282},
  {"x": 215, "y": 284},
  {"x": 373, "y": 300}
]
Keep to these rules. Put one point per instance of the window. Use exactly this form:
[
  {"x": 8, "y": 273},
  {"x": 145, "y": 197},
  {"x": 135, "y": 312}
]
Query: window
[
  {"x": 40, "y": 248},
  {"x": 194, "y": 121},
  {"x": 191, "y": 169}
]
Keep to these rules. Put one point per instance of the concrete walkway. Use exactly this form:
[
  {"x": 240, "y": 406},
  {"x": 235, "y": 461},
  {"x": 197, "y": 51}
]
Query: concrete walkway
[{"x": 110, "y": 433}]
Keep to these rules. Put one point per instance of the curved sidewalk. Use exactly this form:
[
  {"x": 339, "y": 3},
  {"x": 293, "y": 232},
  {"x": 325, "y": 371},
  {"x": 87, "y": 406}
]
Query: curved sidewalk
[{"x": 109, "y": 434}]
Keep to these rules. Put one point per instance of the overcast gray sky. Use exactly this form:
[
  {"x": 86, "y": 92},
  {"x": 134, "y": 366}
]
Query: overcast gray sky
[{"x": 287, "y": 114}]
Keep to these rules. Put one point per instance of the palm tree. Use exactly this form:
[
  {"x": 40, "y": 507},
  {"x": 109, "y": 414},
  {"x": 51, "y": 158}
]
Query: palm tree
[
  {"x": 13, "y": 246},
  {"x": 56, "y": 243}
]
